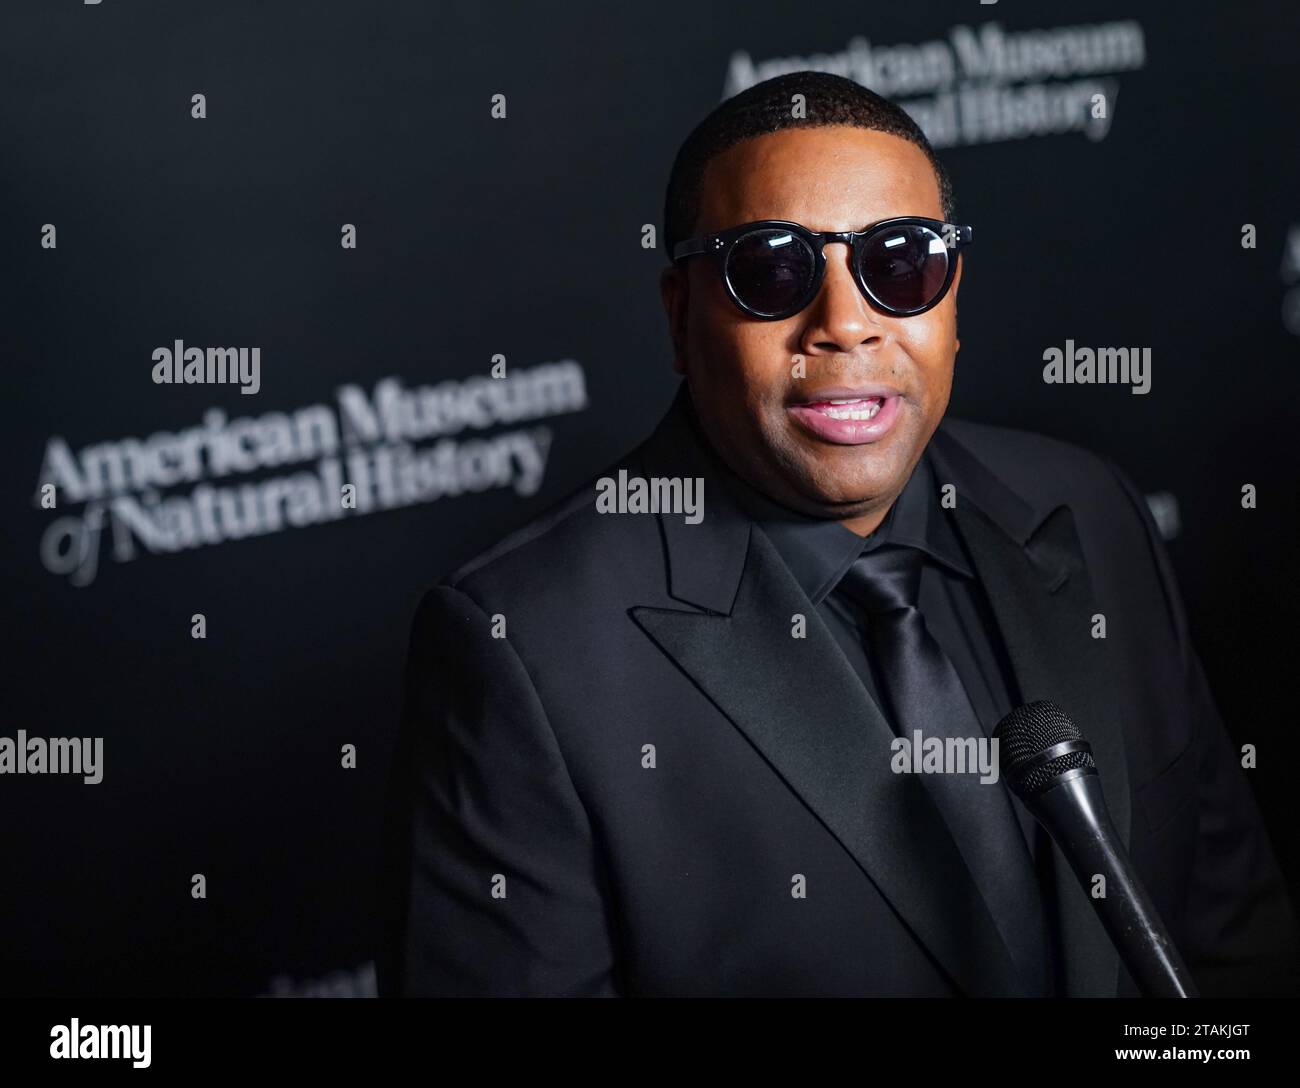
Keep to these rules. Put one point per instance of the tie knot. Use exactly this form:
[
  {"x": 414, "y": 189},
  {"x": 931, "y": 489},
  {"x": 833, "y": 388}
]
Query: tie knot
[{"x": 886, "y": 579}]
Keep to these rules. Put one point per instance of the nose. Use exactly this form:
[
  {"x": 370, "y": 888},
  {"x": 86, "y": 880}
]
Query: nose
[{"x": 840, "y": 319}]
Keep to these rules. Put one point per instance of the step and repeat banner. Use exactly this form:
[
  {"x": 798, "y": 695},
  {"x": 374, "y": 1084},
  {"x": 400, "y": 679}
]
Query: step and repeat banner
[{"x": 266, "y": 266}]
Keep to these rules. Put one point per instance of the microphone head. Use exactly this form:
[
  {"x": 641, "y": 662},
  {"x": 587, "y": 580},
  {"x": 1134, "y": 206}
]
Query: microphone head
[{"x": 1039, "y": 743}]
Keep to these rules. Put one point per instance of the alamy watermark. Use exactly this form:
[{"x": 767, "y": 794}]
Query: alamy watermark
[
  {"x": 657, "y": 495},
  {"x": 78, "y": 1040},
  {"x": 179, "y": 365},
  {"x": 1104, "y": 366},
  {"x": 58, "y": 755},
  {"x": 919, "y": 754}
]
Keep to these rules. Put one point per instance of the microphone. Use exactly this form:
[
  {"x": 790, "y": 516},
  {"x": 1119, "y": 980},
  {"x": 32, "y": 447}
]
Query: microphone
[{"x": 1049, "y": 766}]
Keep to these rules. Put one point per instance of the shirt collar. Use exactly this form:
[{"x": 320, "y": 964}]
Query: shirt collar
[{"x": 819, "y": 551}]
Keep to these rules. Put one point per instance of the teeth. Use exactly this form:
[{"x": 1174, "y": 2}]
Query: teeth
[{"x": 857, "y": 415}]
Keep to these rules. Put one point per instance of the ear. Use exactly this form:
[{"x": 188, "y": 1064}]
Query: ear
[{"x": 674, "y": 291}]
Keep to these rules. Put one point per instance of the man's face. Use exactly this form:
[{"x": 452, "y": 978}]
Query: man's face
[{"x": 762, "y": 417}]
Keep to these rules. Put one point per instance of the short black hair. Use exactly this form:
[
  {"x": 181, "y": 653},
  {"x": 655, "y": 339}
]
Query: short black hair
[{"x": 766, "y": 107}]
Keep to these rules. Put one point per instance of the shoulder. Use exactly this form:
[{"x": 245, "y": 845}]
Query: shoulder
[
  {"x": 1047, "y": 472},
  {"x": 1114, "y": 522},
  {"x": 569, "y": 555},
  {"x": 1117, "y": 531}
]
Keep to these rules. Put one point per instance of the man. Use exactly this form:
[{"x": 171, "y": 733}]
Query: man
[{"x": 653, "y": 753}]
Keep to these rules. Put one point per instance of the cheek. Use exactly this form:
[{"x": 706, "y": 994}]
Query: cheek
[
  {"x": 931, "y": 341},
  {"x": 763, "y": 348},
  {"x": 752, "y": 358}
]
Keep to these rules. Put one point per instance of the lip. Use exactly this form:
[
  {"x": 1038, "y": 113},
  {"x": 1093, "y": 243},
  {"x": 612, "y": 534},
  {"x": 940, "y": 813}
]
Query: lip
[
  {"x": 848, "y": 392},
  {"x": 847, "y": 432}
]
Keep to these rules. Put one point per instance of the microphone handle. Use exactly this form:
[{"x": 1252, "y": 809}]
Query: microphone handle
[{"x": 1074, "y": 813}]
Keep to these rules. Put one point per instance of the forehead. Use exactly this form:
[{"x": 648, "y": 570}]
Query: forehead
[{"x": 832, "y": 178}]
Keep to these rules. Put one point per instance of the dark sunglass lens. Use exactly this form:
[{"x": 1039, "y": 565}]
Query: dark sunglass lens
[
  {"x": 906, "y": 267},
  {"x": 771, "y": 271}
]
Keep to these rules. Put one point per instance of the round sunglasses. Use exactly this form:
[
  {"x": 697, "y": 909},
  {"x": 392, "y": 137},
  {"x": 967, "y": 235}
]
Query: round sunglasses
[{"x": 773, "y": 268}]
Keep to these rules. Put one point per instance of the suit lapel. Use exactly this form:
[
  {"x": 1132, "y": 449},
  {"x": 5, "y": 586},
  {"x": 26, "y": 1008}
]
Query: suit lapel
[{"x": 1034, "y": 574}]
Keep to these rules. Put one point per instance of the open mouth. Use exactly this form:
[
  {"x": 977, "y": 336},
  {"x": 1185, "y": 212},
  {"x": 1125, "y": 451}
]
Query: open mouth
[
  {"x": 848, "y": 421},
  {"x": 859, "y": 409}
]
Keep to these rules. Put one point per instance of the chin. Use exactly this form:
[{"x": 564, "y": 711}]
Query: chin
[
  {"x": 853, "y": 500},
  {"x": 847, "y": 479},
  {"x": 824, "y": 479},
  {"x": 830, "y": 494}
]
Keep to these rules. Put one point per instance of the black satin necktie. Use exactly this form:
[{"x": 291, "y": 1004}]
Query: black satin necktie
[{"x": 925, "y": 693}]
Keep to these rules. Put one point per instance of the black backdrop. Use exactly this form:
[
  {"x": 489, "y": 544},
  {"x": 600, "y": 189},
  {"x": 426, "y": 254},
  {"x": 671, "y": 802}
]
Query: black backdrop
[{"x": 523, "y": 236}]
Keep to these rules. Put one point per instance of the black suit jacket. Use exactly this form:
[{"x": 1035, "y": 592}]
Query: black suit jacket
[{"x": 623, "y": 795}]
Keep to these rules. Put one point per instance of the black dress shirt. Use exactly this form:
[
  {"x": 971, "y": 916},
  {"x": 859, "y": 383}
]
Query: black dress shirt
[{"x": 818, "y": 552}]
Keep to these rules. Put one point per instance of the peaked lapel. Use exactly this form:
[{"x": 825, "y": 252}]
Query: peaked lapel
[
  {"x": 1033, "y": 571},
  {"x": 801, "y": 705}
]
